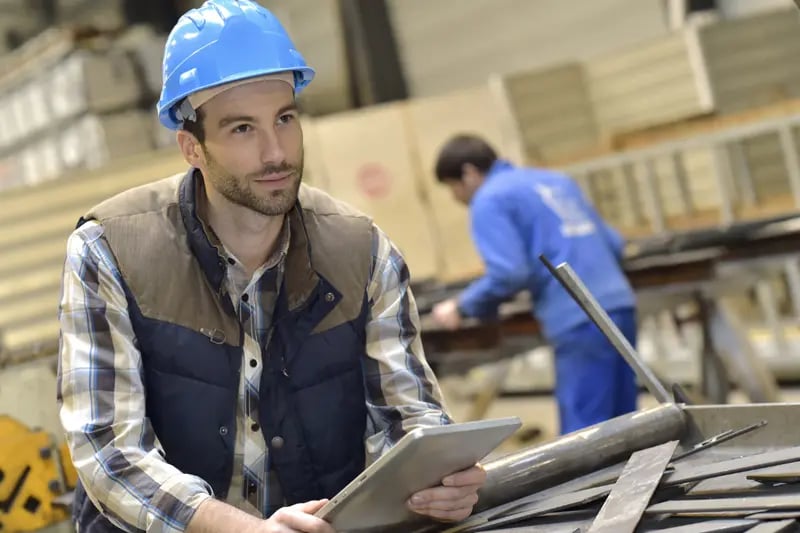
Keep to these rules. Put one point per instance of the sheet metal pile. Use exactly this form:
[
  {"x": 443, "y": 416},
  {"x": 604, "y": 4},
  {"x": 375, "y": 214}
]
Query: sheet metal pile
[
  {"x": 672, "y": 468},
  {"x": 659, "y": 488}
]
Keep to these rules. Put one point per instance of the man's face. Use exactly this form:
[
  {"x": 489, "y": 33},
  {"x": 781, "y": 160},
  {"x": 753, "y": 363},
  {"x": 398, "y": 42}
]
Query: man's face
[
  {"x": 464, "y": 187},
  {"x": 459, "y": 190},
  {"x": 253, "y": 150}
]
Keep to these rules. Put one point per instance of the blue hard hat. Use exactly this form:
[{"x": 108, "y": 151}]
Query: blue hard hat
[{"x": 221, "y": 42}]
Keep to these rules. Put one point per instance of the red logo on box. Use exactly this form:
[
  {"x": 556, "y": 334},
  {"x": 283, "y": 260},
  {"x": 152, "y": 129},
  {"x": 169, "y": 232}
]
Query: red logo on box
[{"x": 374, "y": 180}]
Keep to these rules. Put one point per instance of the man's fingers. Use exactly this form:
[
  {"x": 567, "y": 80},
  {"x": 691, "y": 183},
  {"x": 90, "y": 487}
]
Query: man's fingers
[
  {"x": 300, "y": 518},
  {"x": 312, "y": 506},
  {"x": 426, "y": 496},
  {"x": 467, "y": 501},
  {"x": 471, "y": 476},
  {"x": 447, "y": 516}
]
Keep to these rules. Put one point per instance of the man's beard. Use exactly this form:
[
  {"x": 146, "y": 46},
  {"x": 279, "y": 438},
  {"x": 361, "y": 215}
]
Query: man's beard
[{"x": 235, "y": 190}]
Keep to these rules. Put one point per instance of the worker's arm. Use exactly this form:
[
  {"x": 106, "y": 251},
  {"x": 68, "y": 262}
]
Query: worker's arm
[
  {"x": 401, "y": 390},
  {"x": 505, "y": 258},
  {"x": 102, "y": 406}
]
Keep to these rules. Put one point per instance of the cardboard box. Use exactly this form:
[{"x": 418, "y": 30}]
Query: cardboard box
[
  {"x": 370, "y": 164},
  {"x": 431, "y": 122},
  {"x": 95, "y": 82}
]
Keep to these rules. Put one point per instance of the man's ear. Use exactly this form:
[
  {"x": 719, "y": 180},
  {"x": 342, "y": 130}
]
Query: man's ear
[{"x": 190, "y": 148}]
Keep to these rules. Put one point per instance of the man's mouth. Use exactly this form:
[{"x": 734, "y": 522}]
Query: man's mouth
[{"x": 274, "y": 177}]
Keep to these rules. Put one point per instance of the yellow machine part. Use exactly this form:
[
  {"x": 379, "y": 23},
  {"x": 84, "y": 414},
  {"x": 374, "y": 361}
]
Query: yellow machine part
[{"x": 33, "y": 472}]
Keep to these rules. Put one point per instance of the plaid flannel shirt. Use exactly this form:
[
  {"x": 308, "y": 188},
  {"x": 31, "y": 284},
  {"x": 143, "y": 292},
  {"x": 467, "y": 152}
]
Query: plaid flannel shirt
[{"x": 101, "y": 393}]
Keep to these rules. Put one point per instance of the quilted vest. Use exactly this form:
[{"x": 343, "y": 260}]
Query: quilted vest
[{"x": 312, "y": 407}]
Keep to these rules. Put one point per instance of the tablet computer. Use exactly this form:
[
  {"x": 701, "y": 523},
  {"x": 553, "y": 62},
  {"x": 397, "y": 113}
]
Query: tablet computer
[{"x": 421, "y": 459}]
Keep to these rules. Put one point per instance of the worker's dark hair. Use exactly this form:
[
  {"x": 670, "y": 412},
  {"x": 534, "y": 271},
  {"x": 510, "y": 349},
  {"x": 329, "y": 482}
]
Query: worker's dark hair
[
  {"x": 195, "y": 127},
  {"x": 462, "y": 149}
]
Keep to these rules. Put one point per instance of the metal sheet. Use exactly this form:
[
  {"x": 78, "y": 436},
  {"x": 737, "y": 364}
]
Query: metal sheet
[
  {"x": 697, "y": 473},
  {"x": 725, "y": 436},
  {"x": 775, "y": 527},
  {"x": 774, "y": 515},
  {"x": 557, "y": 503},
  {"x": 541, "y": 467},
  {"x": 783, "y": 501},
  {"x": 625, "y": 505},
  {"x": 707, "y": 526}
]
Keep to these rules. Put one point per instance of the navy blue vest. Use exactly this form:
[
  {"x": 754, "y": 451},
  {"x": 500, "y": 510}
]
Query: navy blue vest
[{"x": 312, "y": 404}]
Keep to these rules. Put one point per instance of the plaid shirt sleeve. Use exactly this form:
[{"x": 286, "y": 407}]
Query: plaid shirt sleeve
[
  {"x": 102, "y": 401},
  {"x": 401, "y": 390}
]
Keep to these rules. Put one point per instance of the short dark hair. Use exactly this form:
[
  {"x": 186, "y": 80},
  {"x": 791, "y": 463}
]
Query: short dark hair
[
  {"x": 195, "y": 127},
  {"x": 462, "y": 149}
]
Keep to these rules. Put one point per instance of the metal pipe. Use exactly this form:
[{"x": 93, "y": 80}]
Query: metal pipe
[
  {"x": 570, "y": 280},
  {"x": 539, "y": 467}
]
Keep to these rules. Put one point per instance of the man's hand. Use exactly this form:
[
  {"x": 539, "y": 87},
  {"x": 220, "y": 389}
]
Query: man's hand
[
  {"x": 214, "y": 516},
  {"x": 446, "y": 314},
  {"x": 298, "y": 518},
  {"x": 454, "y": 499}
]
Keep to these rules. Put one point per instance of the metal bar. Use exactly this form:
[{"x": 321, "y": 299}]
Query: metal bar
[
  {"x": 631, "y": 494},
  {"x": 544, "y": 466},
  {"x": 630, "y": 188},
  {"x": 556, "y": 503},
  {"x": 732, "y": 466},
  {"x": 774, "y": 515},
  {"x": 770, "y": 478},
  {"x": 722, "y": 175},
  {"x": 769, "y": 502},
  {"x": 653, "y": 196},
  {"x": 707, "y": 526},
  {"x": 740, "y": 358},
  {"x": 791, "y": 160},
  {"x": 742, "y": 174},
  {"x": 719, "y": 439},
  {"x": 570, "y": 280},
  {"x": 681, "y": 180},
  {"x": 775, "y": 527},
  {"x": 769, "y": 307},
  {"x": 792, "y": 271}
]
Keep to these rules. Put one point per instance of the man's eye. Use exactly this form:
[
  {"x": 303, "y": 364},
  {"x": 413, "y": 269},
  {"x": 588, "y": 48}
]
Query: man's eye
[
  {"x": 243, "y": 128},
  {"x": 284, "y": 119}
]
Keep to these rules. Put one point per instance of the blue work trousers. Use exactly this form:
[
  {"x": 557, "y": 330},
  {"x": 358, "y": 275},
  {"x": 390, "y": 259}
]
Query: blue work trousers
[{"x": 593, "y": 381}]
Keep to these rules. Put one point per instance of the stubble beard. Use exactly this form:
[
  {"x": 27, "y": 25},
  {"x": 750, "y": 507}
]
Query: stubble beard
[{"x": 236, "y": 191}]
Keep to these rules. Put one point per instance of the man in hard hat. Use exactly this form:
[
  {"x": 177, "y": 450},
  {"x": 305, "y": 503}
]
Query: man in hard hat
[
  {"x": 516, "y": 215},
  {"x": 237, "y": 346}
]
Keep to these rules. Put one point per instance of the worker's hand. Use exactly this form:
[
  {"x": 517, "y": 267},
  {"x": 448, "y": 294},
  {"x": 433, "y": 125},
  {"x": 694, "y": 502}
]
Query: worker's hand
[
  {"x": 446, "y": 314},
  {"x": 454, "y": 499},
  {"x": 298, "y": 519}
]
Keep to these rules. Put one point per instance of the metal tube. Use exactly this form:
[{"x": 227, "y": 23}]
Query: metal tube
[
  {"x": 539, "y": 467},
  {"x": 584, "y": 298}
]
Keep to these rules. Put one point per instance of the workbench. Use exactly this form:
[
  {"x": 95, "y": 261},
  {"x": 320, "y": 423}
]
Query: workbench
[{"x": 702, "y": 268}]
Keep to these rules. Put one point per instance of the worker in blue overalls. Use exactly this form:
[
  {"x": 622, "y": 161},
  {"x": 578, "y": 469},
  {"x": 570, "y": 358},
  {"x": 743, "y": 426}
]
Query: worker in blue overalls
[{"x": 517, "y": 214}]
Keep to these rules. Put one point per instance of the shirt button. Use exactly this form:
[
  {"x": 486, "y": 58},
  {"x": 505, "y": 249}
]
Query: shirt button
[
  {"x": 254, "y": 427},
  {"x": 223, "y": 430},
  {"x": 245, "y": 297},
  {"x": 253, "y": 363},
  {"x": 329, "y": 297},
  {"x": 231, "y": 261},
  {"x": 277, "y": 442}
]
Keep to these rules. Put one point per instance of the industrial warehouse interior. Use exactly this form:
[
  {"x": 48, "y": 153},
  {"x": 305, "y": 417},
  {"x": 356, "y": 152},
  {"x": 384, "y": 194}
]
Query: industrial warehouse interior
[{"x": 576, "y": 219}]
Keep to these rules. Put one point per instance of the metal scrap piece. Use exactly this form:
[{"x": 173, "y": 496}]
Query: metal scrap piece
[
  {"x": 775, "y": 527},
  {"x": 556, "y": 503},
  {"x": 629, "y": 497},
  {"x": 725, "y": 436},
  {"x": 775, "y": 515},
  {"x": 717, "y": 526},
  {"x": 783, "y": 501},
  {"x": 733, "y": 466}
]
